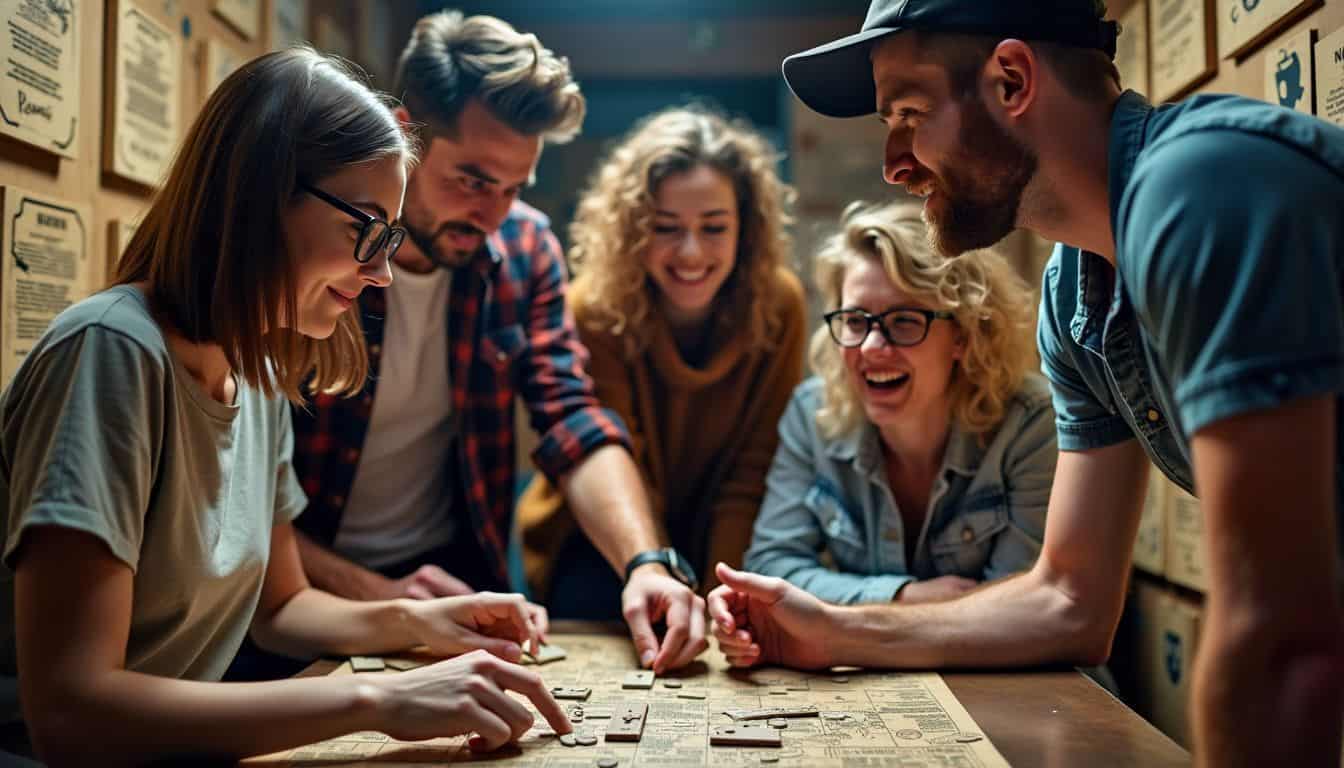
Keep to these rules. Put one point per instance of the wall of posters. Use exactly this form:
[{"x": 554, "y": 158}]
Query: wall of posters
[
  {"x": 1330, "y": 77},
  {"x": 1181, "y": 45},
  {"x": 46, "y": 268},
  {"x": 1244, "y": 25},
  {"x": 1289, "y": 73},
  {"x": 39, "y": 73},
  {"x": 243, "y": 15},
  {"x": 1131, "y": 53},
  {"x": 145, "y": 71}
]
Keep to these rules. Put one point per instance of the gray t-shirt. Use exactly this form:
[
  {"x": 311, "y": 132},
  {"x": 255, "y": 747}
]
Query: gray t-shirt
[{"x": 105, "y": 432}]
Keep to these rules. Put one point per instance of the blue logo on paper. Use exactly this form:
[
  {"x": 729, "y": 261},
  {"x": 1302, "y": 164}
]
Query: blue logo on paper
[
  {"x": 1288, "y": 79},
  {"x": 1173, "y": 656}
]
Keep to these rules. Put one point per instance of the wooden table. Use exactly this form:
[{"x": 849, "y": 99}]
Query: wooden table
[{"x": 1048, "y": 718}]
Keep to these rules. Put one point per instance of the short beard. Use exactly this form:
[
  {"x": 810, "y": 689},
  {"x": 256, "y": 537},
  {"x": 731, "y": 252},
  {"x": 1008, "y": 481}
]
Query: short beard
[
  {"x": 981, "y": 187},
  {"x": 441, "y": 259}
]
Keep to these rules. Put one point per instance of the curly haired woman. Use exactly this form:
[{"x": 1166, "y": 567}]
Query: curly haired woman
[{"x": 696, "y": 329}]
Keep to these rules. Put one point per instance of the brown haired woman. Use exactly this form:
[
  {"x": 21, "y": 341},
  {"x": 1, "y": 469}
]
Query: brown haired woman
[
  {"x": 145, "y": 478},
  {"x": 696, "y": 330}
]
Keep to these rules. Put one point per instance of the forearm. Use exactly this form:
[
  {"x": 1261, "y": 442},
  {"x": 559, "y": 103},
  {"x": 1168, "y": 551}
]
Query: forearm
[
  {"x": 314, "y": 623},
  {"x": 336, "y": 575},
  {"x": 128, "y": 718},
  {"x": 606, "y": 494},
  {"x": 1266, "y": 694},
  {"x": 1021, "y": 621}
]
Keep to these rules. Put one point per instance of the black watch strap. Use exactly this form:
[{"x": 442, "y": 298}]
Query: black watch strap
[{"x": 669, "y": 558}]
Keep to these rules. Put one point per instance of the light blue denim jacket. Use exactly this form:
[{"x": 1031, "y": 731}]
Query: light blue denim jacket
[
  {"x": 1228, "y": 291},
  {"x": 986, "y": 515}
]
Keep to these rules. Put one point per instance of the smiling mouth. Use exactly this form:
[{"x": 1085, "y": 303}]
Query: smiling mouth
[
  {"x": 690, "y": 276},
  {"x": 886, "y": 381},
  {"x": 341, "y": 298}
]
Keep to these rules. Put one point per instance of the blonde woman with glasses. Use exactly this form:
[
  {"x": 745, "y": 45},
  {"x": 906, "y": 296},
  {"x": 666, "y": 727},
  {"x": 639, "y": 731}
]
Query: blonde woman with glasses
[
  {"x": 917, "y": 463},
  {"x": 696, "y": 329}
]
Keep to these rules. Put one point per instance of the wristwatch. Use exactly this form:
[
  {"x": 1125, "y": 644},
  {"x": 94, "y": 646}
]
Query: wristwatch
[{"x": 678, "y": 566}]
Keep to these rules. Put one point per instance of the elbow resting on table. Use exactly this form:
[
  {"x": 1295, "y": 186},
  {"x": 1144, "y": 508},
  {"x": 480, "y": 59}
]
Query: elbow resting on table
[{"x": 1085, "y": 622}]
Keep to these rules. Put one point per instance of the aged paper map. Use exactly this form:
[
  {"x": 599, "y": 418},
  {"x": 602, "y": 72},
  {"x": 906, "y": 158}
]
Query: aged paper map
[{"x": 855, "y": 718}]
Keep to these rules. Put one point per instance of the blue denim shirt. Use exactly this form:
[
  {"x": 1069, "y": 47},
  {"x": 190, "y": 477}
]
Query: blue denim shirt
[
  {"x": 986, "y": 515},
  {"x": 1227, "y": 297}
]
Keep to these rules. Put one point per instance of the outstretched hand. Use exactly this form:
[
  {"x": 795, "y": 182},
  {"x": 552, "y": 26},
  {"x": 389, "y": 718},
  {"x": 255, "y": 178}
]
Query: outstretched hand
[{"x": 765, "y": 620}]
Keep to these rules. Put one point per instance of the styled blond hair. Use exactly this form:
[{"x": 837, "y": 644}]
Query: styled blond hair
[
  {"x": 993, "y": 308},
  {"x": 211, "y": 248},
  {"x": 452, "y": 59},
  {"x": 614, "y": 221}
]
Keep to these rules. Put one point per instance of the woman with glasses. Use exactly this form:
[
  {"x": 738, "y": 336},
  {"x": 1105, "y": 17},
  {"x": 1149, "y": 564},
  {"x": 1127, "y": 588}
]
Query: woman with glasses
[
  {"x": 696, "y": 330},
  {"x": 918, "y": 462},
  {"x": 145, "y": 479}
]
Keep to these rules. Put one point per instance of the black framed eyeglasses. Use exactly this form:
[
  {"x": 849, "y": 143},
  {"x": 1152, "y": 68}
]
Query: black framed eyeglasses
[
  {"x": 900, "y": 326},
  {"x": 374, "y": 234}
]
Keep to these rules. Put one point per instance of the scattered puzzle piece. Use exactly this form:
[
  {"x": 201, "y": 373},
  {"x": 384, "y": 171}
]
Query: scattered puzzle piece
[
  {"x": 366, "y": 664},
  {"x": 546, "y": 655},
  {"x": 571, "y": 692},
  {"x": 638, "y": 681},
  {"x": 744, "y": 736},
  {"x": 766, "y": 713},
  {"x": 402, "y": 665},
  {"x": 627, "y": 724}
]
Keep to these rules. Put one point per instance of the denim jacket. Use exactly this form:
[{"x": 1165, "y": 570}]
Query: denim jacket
[{"x": 985, "y": 519}]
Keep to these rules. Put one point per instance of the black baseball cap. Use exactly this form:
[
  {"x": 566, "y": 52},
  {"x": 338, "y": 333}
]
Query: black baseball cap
[{"x": 836, "y": 79}]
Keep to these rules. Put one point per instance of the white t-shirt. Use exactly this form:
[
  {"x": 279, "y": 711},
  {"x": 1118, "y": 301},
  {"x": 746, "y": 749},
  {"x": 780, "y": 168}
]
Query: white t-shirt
[{"x": 400, "y": 502}]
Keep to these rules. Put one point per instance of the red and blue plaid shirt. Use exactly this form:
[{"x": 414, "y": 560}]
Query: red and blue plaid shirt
[{"x": 509, "y": 335}]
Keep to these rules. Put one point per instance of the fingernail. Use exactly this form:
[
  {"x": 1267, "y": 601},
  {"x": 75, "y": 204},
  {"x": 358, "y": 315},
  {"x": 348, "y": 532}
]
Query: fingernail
[{"x": 646, "y": 658}]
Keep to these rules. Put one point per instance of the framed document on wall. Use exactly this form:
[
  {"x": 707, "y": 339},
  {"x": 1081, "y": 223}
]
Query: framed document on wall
[
  {"x": 1181, "y": 46},
  {"x": 46, "y": 268},
  {"x": 289, "y": 23},
  {"x": 144, "y": 76},
  {"x": 1244, "y": 25},
  {"x": 220, "y": 61},
  {"x": 1330, "y": 77},
  {"x": 1290, "y": 73},
  {"x": 1131, "y": 51},
  {"x": 39, "y": 73},
  {"x": 243, "y": 15}
]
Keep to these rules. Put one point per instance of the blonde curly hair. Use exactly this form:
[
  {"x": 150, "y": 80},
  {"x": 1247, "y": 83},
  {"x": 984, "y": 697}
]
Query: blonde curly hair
[
  {"x": 994, "y": 309},
  {"x": 614, "y": 220}
]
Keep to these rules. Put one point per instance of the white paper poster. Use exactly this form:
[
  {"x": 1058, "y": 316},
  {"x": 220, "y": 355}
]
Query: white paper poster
[
  {"x": 220, "y": 61},
  {"x": 46, "y": 268},
  {"x": 147, "y": 68},
  {"x": 39, "y": 73},
  {"x": 1180, "y": 46},
  {"x": 1330, "y": 77}
]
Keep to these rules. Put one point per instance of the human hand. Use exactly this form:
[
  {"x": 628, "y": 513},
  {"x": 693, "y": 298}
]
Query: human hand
[
  {"x": 935, "y": 590},
  {"x": 651, "y": 595},
  {"x": 425, "y": 583},
  {"x": 498, "y": 623},
  {"x": 765, "y": 620},
  {"x": 463, "y": 695}
]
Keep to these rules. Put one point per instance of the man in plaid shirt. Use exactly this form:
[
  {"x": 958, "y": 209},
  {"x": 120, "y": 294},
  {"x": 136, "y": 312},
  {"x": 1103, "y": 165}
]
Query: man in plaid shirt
[{"x": 411, "y": 482}]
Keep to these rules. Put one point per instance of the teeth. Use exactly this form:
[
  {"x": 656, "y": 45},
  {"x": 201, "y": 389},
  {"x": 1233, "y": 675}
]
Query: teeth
[
  {"x": 883, "y": 378},
  {"x": 688, "y": 276}
]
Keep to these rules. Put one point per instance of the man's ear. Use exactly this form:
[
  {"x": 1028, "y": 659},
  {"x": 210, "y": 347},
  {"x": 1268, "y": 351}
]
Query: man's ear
[
  {"x": 403, "y": 115},
  {"x": 1014, "y": 73}
]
